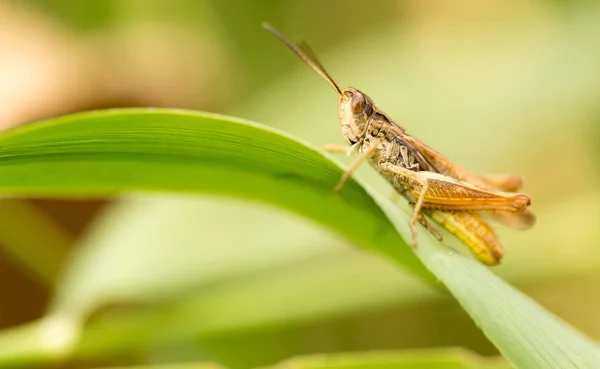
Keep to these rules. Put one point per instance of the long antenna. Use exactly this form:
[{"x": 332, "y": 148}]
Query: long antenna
[{"x": 311, "y": 60}]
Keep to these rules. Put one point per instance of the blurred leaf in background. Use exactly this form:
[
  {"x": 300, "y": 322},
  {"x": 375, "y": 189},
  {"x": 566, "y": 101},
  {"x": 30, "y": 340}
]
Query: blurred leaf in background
[{"x": 500, "y": 86}]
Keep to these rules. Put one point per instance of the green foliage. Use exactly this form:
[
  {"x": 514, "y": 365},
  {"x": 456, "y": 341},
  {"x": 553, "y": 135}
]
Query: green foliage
[
  {"x": 115, "y": 152},
  {"x": 409, "y": 359}
]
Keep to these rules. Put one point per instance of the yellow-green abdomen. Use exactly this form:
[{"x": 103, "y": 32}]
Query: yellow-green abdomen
[{"x": 474, "y": 232}]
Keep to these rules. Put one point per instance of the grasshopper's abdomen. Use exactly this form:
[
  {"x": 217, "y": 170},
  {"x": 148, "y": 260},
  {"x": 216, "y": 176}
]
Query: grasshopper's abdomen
[{"x": 474, "y": 232}]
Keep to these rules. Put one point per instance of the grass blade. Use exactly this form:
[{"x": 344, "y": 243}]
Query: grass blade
[{"x": 107, "y": 153}]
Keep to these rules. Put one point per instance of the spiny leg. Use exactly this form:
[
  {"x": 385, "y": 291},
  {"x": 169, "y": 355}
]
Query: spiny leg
[{"x": 364, "y": 155}]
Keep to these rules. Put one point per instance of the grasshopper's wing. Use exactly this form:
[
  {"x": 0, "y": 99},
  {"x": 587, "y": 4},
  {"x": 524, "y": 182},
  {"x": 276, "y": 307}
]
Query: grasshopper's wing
[
  {"x": 508, "y": 183},
  {"x": 441, "y": 164},
  {"x": 504, "y": 182},
  {"x": 521, "y": 221}
]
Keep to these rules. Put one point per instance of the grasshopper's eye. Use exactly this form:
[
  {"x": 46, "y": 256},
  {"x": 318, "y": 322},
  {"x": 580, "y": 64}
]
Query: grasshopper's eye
[{"x": 358, "y": 103}]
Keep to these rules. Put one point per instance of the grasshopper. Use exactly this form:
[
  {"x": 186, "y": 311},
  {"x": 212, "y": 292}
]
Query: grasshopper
[{"x": 435, "y": 186}]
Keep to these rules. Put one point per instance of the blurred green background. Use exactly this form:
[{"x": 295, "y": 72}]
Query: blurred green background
[{"x": 498, "y": 86}]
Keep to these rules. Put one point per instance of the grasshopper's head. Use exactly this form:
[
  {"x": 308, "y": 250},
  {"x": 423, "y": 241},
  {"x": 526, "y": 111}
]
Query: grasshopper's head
[{"x": 355, "y": 108}]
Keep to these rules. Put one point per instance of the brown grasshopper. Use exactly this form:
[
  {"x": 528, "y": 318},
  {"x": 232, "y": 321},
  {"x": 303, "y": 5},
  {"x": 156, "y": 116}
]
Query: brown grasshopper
[{"x": 433, "y": 184}]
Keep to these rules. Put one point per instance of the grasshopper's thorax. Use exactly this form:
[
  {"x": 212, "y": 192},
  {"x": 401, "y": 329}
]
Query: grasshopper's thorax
[
  {"x": 363, "y": 125},
  {"x": 355, "y": 110}
]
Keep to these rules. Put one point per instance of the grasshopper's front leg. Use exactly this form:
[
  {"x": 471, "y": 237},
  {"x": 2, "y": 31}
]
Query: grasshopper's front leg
[
  {"x": 355, "y": 164},
  {"x": 338, "y": 149}
]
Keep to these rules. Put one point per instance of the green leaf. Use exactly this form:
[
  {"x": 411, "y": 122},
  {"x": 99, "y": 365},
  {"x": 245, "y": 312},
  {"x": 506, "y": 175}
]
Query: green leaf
[
  {"x": 253, "y": 266},
  {"x": 450, "y": 358},
  {"x": 40, "y": 253},
  {"x": 524, "y": 332},
  {"x": 402, "y": 359},
  {"x": 107, "y": 153}
]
